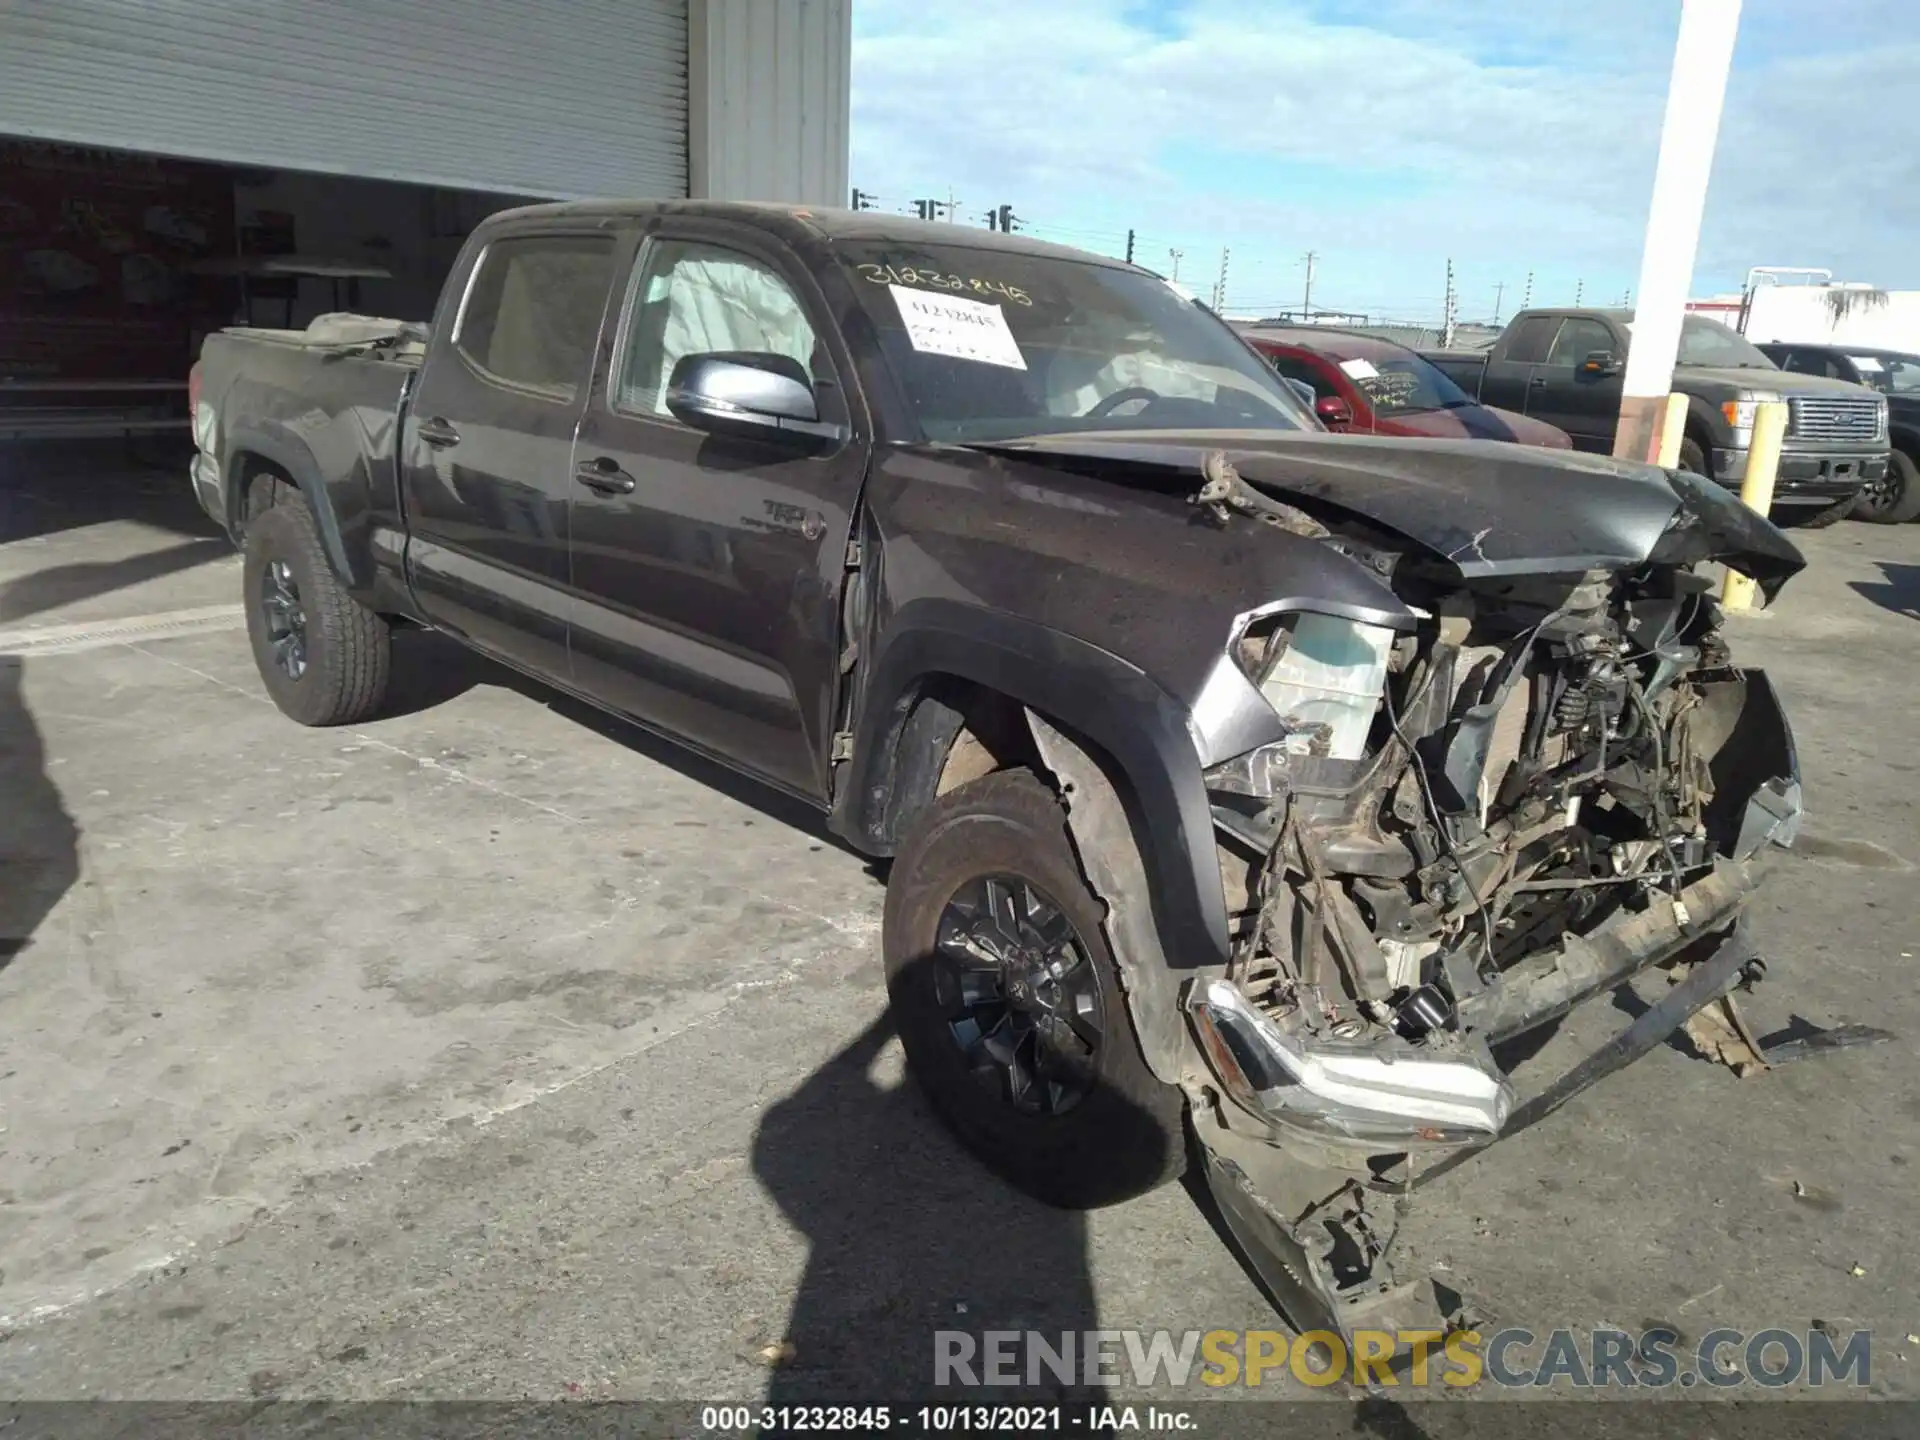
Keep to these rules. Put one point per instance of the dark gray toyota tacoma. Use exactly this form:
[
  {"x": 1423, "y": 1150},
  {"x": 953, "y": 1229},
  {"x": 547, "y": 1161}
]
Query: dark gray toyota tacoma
[{"x": 1244, "y": 785}]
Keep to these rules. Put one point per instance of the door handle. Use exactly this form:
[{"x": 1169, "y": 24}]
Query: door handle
[
  {"x": 437, "y": 433},
  {"x": 1538, "y": 382},
  {"x": 604, "y": 475}
]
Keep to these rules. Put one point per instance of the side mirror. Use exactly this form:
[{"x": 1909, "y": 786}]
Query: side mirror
[
  {"x": 1600, "y": 362},
  {"x": 745, "y": 392},
  {"x": 1334, "y": 411},
  {"x": 1301, "y": 389}
]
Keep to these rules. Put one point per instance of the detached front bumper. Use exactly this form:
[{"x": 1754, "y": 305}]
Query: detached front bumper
[{"x": 1808, "y": 477}]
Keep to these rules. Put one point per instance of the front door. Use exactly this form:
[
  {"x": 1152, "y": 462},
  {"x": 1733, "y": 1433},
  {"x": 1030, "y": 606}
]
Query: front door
[
  {"x": 706, "y": 569},
  {"x": 489, "y": 445},
  {"x": 1586, "y": 406}
]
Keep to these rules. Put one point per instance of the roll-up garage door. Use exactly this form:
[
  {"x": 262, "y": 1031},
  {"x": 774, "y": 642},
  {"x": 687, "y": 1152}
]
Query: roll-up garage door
[{"x": 574, "y": 100}]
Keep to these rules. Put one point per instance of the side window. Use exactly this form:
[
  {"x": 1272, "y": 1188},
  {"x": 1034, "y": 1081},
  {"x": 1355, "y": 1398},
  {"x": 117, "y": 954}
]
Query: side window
[
  {"x": 1531, "y": 340},
  {"x": 1579, "y": 338},
  {"x": 1802, "y": 362},
  {"x": 1292, "y": 367},
  {"x": 692, "y": 298},
  {"x": 533, "y": 311}
]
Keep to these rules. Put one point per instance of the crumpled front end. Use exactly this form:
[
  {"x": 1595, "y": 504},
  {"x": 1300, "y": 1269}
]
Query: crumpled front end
[{"x": 1545, "y": 786}]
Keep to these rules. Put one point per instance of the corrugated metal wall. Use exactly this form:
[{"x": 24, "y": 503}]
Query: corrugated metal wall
[
  {"x": 582, "y": 99},
  {"x": 769, "y": 81}
]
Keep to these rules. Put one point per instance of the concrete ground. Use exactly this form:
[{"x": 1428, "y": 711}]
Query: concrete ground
[{"x": 494, "y": 1049}]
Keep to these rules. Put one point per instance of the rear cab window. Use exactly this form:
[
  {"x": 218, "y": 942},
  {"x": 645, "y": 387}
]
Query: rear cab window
[{"x": 532, "y": 311}]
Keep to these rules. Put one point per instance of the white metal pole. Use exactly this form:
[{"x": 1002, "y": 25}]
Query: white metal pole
[{"x": 1696, "y": 91}]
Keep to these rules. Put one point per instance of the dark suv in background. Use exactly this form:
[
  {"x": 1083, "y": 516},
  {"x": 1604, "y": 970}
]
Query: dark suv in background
[{"x": 1895, "y": 496}]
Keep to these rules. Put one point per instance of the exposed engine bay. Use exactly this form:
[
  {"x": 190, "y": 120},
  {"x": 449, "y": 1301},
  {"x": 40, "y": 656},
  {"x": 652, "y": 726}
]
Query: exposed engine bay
[
  {"x": 1543, "y": 786},
  {"x": 1545, "y": 753}
]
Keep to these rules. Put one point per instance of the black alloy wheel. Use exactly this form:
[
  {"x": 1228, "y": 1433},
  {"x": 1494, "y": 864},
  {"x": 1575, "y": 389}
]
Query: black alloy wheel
[
  {"x": 285, "y": 618},
  {"x": 1018, "y": 994},
  {"x": 1893, "y": 498}
]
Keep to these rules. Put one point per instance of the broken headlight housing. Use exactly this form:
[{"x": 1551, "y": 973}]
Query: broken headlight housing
[{"x": 1322, "y": 674}]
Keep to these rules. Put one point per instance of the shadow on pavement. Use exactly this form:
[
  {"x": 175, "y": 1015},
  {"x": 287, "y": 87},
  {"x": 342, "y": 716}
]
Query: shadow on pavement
[
  {"x": 50, "y": 486},
  {"x": 57, "y": 585},
  {"x": 1898, "y": 590},
  {"x": 39, "y": 842},
  {"x": 909, "y": 1236}
]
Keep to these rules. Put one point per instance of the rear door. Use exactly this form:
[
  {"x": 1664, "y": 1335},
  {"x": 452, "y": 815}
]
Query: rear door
[
  {"x": 706, "y": 569},
  {"x": 1509, "y": 372},
  {"x": 489, "y": 441},
  {"x": 1585, "y": 405}
]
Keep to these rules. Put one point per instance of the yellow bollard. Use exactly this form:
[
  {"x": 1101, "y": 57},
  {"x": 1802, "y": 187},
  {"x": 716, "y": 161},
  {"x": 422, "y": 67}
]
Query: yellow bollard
[
  {"x": 1756, "y": 492},
  {"x": 1673, "y": 429}
]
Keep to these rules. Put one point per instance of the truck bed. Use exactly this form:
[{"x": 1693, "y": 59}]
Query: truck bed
[{"x": 323, "y": 406}]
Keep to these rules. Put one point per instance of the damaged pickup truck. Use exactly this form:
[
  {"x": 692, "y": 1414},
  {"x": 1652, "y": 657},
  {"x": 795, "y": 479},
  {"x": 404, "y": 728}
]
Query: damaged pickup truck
[{"x": 1242, "y": 783}]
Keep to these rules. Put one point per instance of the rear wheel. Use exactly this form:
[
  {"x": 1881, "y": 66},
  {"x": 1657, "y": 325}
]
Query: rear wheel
[
  {"x": 1009, "y": 1004},
  {"x": 1894, "y": 498},
  {"x": 323, "y": 657}
]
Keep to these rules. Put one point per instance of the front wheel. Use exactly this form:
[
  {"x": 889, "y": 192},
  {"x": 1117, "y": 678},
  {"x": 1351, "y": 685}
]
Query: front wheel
[
  {"x": 1894, "y": 498},
  {"x": 1009, "y": 1004},
  {"x": 323, "y": 656}
]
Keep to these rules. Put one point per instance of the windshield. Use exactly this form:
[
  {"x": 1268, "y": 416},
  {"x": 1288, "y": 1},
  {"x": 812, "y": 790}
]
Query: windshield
[
  {"x": 1889, "y": 374},
  {"x": 1708, "y": 342},
  {"x": 1403, "y": 384},
  {"x": 990, "y": 345}
]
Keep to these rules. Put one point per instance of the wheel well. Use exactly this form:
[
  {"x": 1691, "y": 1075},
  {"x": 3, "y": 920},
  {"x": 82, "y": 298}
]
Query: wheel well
[
  {"x": 258, "y": 486},
  {"x": 1907, "y": 442},
  {"x": 956, "y": 731}
]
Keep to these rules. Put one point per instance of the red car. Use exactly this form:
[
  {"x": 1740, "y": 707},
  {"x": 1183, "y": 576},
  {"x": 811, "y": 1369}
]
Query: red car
[{"x": 1366, "y": 385}]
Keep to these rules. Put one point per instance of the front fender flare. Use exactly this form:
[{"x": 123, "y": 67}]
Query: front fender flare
[{"x": 1073, "y": 684}]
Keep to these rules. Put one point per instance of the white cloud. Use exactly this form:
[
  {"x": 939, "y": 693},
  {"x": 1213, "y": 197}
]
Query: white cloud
[{"x": 1506, "y": 139}]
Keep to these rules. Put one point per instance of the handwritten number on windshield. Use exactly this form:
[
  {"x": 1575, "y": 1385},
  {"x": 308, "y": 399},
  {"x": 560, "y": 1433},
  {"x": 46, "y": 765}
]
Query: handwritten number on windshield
[{"x": 912, "y": 275}]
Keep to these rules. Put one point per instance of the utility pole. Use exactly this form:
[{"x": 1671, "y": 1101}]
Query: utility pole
[
  {"x": 1220, "y": 285},
  {"x": 1696, "y": 90},
  {"x": 1446, "y": 324},
  {"x": 1129, "y": 246},
  {"x": 1499, "y": 290},
  {"x": 1526, "y": 300},
  {"x": 1579, "y": 289},
  {"x": 1306, "y": 298},
  {"x": 1175, "y": 255}
]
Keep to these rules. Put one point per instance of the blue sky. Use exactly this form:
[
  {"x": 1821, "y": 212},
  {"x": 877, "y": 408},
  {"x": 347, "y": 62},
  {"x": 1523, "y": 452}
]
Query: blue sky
[{"x": 1391, "y": 135}]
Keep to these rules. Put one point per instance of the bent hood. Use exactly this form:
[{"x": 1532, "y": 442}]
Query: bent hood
[{"x": 1492, "y": 509}]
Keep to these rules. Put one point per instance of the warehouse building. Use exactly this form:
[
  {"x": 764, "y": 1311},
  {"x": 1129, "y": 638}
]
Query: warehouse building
[{"x": 171, "y": 166}]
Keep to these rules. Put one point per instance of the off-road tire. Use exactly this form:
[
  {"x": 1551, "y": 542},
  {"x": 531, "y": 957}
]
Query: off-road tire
[
  {"x": 348, "y": 647},
  {"x": 1127, "y": 1135},
  {"x": 1902, "y": 501},
  {"x": 1800, "y": 517}
]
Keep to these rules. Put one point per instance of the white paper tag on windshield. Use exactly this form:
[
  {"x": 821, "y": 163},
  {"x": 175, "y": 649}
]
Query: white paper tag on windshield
[
  {"x": 1359, "y": 369},
  {"x": 1865, "y": 363},
  {"x": 964, "y": 329}
]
